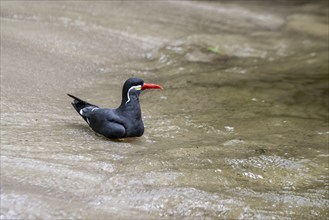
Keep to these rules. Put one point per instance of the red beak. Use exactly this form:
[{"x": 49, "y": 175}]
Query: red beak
[{"x": 150, "y": 86}]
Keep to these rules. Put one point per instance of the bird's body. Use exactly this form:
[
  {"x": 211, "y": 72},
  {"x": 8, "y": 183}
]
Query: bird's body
[{"x": 124, "y": 121}]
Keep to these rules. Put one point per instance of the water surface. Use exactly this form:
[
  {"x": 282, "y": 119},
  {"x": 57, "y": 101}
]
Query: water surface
[{"x": 240, "y": 130}]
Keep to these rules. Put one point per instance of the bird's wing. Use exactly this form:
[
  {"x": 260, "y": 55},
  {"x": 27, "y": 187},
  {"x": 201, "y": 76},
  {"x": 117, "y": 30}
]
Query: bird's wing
[{"x": 106, "y": 122}]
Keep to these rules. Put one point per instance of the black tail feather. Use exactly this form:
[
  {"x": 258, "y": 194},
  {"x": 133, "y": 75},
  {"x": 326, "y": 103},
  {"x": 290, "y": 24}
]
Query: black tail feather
[
  {"x": 77, "y": 100},
  {"x": 79, "y": 104}
]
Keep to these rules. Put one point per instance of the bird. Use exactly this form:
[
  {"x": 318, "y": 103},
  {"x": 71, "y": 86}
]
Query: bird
[{"x": 122, "y": 122}]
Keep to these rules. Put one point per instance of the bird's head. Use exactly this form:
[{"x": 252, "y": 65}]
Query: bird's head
[{"x": 133, "y": 87}]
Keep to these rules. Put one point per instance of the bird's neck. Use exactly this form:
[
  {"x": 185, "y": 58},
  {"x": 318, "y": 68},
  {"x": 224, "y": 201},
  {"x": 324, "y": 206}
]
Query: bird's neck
[
  {"x": 132, "y": 100},
  {"x": 131, "y": 107}
]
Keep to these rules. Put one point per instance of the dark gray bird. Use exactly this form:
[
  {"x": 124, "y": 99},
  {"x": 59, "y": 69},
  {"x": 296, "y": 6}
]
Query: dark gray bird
[{"x": 124, "y": 121}]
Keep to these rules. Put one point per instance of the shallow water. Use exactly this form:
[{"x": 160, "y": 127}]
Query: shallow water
[{"x": 240, "y": 130}]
